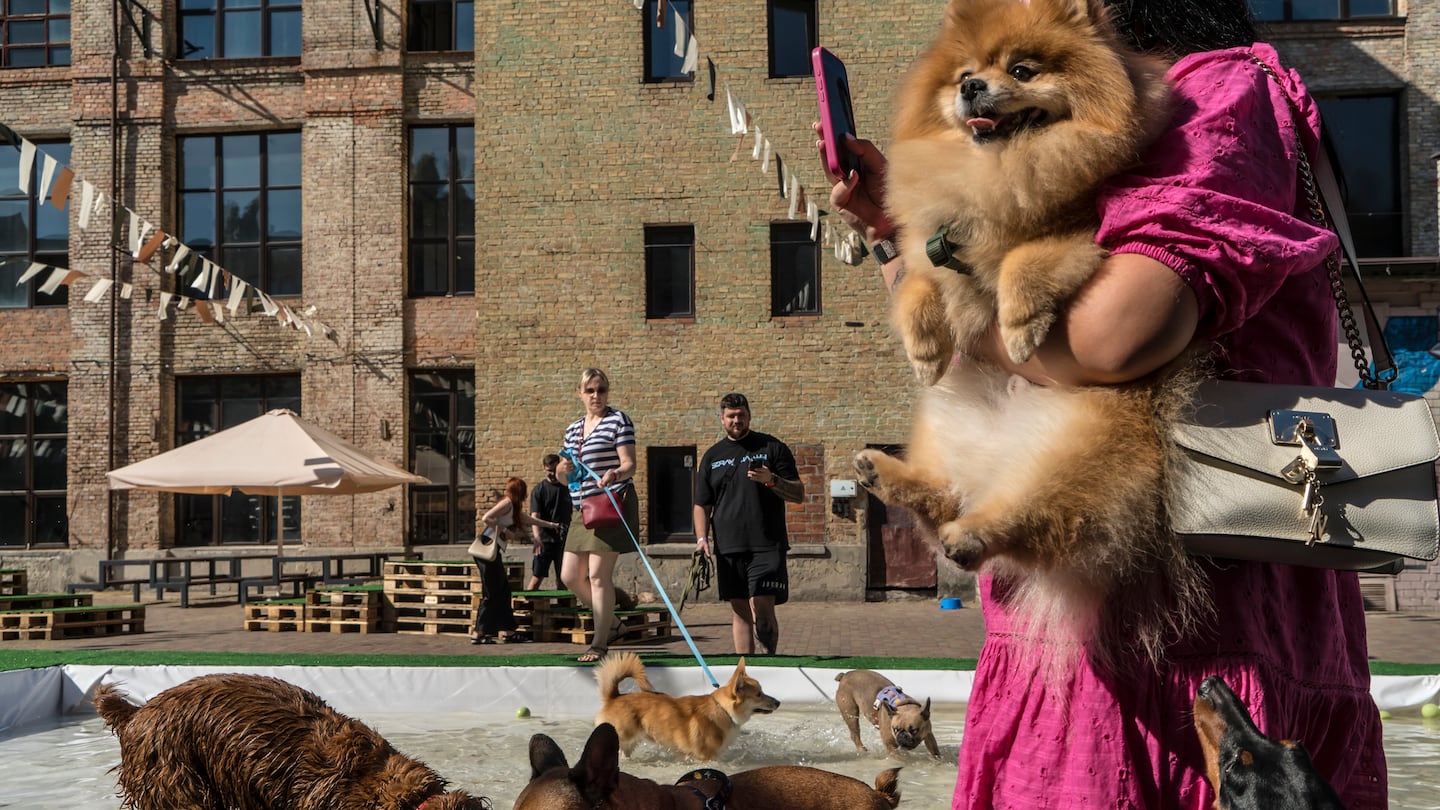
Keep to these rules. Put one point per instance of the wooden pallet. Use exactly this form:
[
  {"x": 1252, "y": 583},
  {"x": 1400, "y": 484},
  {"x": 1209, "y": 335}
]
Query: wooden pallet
[
  {"x": 431, "y": 627},
  {"x": 59, "y": 624},
  {"x": 576, "y": 626},
  {"x": 531, "y": 608},
  {"x": 45, "y": 601},
  {"x": 346, "y": 595},
  {"x": 13, "y": 582},
  {"x": 343, "y": 613},
  {"x": 363, "y": 625},
  {"x": 276, "y": 615},
  {"x": 467, "y": 600}
]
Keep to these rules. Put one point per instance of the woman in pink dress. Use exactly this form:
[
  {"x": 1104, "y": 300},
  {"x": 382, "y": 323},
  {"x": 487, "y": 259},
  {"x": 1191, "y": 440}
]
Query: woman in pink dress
[{"x": 1211, "y": 245}]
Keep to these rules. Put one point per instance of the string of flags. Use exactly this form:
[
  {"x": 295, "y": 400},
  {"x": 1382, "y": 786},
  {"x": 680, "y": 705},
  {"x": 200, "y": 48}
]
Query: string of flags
[
  {"x": 847, "y": 246},
  {"x": 219, "y": 293}
]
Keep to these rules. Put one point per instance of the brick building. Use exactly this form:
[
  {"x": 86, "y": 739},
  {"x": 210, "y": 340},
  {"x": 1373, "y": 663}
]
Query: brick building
[{"x": 495, "y": 198}]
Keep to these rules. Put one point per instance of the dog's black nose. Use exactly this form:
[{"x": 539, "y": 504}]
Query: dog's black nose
[{"x": 970, "y": 88}]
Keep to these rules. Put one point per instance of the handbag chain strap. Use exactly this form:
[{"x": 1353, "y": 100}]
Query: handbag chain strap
[{"x": 1385, "y": 372}]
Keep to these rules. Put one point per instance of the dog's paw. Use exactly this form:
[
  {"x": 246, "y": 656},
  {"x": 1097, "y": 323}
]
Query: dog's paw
[
  {"x": 930, "y": 355},
  {"x": 1022, "y": 339},
  {"x": 865, "y": 469},
  {"x": 964, "y": 546}
]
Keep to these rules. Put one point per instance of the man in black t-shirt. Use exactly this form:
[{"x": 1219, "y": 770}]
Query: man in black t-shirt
[
  {"x": 550, "y": 500},
  {"x": 742, "y": 486}
]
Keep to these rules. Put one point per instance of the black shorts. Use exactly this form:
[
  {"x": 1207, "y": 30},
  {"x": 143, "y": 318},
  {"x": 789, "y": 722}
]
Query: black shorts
[
  {"x": 549, "y": 557},
  {"x": 753, "y": 573}
]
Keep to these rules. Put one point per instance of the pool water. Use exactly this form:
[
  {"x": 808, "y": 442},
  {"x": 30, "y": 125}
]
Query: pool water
[{"x": 67, "y": 765}]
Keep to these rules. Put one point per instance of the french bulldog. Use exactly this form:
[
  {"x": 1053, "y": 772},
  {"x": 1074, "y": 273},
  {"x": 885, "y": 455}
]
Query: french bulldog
[{"x": 903, "y": 722}]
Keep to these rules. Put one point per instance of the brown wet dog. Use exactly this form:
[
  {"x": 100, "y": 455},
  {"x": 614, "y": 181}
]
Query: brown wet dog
[
  {"x": 903, "y": 721},
  {"x": 596, "y": 783},
  {"x": 700, "y": 726},
  {"x": 1248, "y": 770},
  {"x": 249, "y": 742}
]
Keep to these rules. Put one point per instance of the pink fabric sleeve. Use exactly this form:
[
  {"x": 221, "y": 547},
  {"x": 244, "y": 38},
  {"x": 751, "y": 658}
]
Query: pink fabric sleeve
[{"x": 1214, "y": 199}]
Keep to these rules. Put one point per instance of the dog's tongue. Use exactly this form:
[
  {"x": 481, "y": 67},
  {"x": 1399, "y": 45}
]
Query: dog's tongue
[{"x": 981, "y": 125}]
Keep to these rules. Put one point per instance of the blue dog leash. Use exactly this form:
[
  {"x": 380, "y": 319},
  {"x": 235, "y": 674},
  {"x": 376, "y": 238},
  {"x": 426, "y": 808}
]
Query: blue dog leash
[{"x": 585, "y": 469}]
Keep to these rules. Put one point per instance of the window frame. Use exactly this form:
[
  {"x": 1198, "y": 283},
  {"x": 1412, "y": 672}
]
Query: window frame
[
  {"x": 649, "y": 33},
  {"x": 49, "y": 46},
  {"x": 812, "y": 35},
  {"x": 778, "y": 240},
  {"x": 15, "y": 264},
  {"x": 653, "y": 268},
  {"x": 32, "y": 438},
  {"x": 263, "y": 508},
  {"x": 1343, "y": 12},
  {"x": 218, "y": 12},
  {"x": 413, "y": 20},
  {"x": 265, "y": 244},
  {"x": 460, "y": 522},
  {"x": 457, "y": 236}
]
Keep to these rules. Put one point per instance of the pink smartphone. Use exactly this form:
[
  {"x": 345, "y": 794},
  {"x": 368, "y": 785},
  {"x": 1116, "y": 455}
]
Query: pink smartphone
[{"x": 837, "y": 118}]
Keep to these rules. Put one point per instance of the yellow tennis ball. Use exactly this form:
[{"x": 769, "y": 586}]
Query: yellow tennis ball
[
  {"x": 522, "y": 712},
  {"x": 1430, "y": 711},
  {"x": 1385, "y": 715}
]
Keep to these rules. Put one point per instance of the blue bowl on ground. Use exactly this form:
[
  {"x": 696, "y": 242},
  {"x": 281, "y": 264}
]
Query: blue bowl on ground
[{"x": 950, "y": 603}]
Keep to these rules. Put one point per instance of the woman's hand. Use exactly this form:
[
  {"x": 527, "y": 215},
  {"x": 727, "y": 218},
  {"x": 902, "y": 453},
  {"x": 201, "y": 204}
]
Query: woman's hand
[{"x": 860, "y": 198}]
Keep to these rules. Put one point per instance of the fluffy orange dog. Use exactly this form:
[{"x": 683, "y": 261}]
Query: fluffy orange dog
[
  {"x": 1006, "y": 128},
  {"x": 596, "y": 781},
  {"x": 248, "y": 742},
  {"x": 700, "y": 726}
]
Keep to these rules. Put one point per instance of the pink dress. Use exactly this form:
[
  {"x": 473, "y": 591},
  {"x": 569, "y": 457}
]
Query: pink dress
[{"x": 1215, "y": 202}]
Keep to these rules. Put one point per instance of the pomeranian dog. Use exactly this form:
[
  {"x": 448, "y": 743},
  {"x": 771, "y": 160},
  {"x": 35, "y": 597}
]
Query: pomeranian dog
[
  {"x": 1006, "y": 128},
  {"x": 251, "y": 742},
  {"x": 700, "y": 726}
]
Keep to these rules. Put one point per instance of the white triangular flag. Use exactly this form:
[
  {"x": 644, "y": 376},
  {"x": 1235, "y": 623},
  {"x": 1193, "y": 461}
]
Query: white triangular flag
[
  {"x": 87, "y": 202},
  {"x": 30, "y": 272},
  {"x": 47, "y": 176},
  {"x": 692, "y": 56},
  {"x": 27, "y": 164},
  {"x": 730, "y": 105},
  {"x": 165, "y": 305},
  {"x": 126, "y": 290},
  {"x": 98, "y": 290},
  {"x": 765, "y": 160},
  {"x": 180, "y": 254},
  {"x": 134, "y": 233},
  {"x": 202, "y": 279},
  {"x": 792, "y": 184},
  {"x": 755, "y": 153},
  {"x": 681, "y": 32},
  {"x": 812, "y": 213},
  {"x": 269, "y": 306},
  {"x": 237, "y": 294},
  {"x": 57, "y": 276}
]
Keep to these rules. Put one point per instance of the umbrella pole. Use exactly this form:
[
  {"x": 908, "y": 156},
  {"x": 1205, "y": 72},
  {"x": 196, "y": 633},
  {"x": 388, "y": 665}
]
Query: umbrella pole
[{"x": 280, "y": 523}]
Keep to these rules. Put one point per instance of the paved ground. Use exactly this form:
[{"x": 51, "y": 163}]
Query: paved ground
[{"x": 899, "y": 628}]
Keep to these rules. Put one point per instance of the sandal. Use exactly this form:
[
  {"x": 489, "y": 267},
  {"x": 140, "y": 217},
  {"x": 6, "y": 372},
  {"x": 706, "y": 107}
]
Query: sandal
[
  {"x": 592, "y": 654},
  {"x": 482, "y": 639},
  {"x": 617, "y": 633},
  {"x": 517, "y": 637}
]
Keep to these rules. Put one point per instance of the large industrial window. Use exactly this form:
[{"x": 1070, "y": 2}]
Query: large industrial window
[
  {"x": 794, "y": 270},
  {"x": 240, "y": 205},
  {"x": 669, "y": 271},
  {"x": 34, "y": 430},
  {"x": 441, "y": 25},
  {"x": 238, "y": 29},
  {"x": 212, "y": 404},
  {"x": 442, "y": 448},
  {"x": 1366, "y": 132},
  {"x": 793, "y": 34},
  {"x": 442, "y": 211},
  {"x": 31, "y": 230},
  {"x": 34, "y": 33},
  {"x": 672, "y": 493},
  {"x": 667, "y": 40},
  {"x": 1280, "y": 10}
]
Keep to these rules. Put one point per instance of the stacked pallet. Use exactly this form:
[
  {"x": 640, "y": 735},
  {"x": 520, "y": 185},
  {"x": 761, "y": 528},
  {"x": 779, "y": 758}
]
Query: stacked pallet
[
  {"x": 62, "y": 623},
  {"x": 13, "y": 582},
  {"x": 347, "y": 609},
  {"x": 577, "y": 625},
  {"x": 44, "y": 601},
  {"x": 536, "y": 610},
  {"x": 432, "y": 596},
  {"x": 276, "y": 615}
]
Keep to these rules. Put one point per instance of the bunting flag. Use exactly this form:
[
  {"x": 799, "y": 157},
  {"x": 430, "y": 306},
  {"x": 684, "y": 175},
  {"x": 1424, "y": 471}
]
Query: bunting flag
[{"x": 145, "y": 242}]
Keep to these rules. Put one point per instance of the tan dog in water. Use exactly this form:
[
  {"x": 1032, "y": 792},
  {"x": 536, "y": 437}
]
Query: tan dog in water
[
  {"x": 698, "y": 725},
  {"x": 597, "y": 782},
  {"x": 903, "y": 722}
]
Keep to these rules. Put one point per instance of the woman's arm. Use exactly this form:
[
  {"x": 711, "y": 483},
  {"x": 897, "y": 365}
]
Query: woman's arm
[
  {"x": 492, "y": 517},
  {"x": 626, "y": 468}
]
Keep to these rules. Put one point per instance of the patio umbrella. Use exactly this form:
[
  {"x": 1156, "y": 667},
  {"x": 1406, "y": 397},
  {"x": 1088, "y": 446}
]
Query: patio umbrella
[{"x": 277, "y": 454}]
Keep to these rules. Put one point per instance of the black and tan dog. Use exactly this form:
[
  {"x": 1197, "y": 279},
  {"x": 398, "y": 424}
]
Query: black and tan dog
[
  {"x": 903, "y": 721},
  {"x": 597, "y": 783},
  {"x": 248, "y": 742},
  {"x": 1248, "y": 770}
]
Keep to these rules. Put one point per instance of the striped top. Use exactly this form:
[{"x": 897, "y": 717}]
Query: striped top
[{"x": 598, "y": 451}]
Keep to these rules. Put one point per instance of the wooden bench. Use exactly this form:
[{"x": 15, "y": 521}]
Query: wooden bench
[
  {"x": 180, "y": 574},
  {"x": 300, "y": 572},
  {"x": 113, "y": 573}
]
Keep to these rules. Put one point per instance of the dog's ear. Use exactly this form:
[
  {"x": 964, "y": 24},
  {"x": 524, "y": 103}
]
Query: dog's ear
[
  {"x": 544, "y": 755},
  {"x": 740, "y": 668},
  {"x": 925, "y": 712},
  {"x": 597, "y": 774}
]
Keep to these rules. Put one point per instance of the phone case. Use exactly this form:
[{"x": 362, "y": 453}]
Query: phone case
[{"x": 832, "y": 92}]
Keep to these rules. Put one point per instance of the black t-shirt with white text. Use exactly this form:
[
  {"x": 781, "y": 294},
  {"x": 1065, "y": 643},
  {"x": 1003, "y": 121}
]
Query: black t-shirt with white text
[{"x": 747, "y": 515}]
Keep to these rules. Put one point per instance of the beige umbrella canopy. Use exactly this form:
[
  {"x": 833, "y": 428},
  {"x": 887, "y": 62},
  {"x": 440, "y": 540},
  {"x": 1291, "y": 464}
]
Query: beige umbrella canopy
[{"x": 277, "y": 453}]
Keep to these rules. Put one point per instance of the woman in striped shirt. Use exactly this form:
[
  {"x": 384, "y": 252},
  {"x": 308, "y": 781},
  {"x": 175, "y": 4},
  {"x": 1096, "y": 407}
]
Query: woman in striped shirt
[{"x": 604, "y": 440}]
